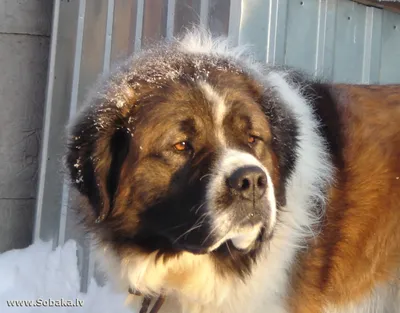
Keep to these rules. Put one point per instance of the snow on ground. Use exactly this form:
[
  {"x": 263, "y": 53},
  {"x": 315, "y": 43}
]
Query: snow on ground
[{"x": 47, "y": 277}]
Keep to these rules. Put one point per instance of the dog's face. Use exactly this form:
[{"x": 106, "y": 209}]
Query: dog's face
[
  {"x": 201, "y": 169},
  {"x": 191, "y": 159}
]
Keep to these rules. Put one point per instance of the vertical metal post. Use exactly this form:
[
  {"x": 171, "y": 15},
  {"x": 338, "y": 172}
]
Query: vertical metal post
[
  {"x": 139, "y": 25},
  {"x": 47, "y": 121},
  {"x": 108, "y": 39},
  {"x": 72, "y": 110},
  {"x": 235, "y": 11},
  {"x": 204, "y": 11},
  {"x": 170, "y": 19}
]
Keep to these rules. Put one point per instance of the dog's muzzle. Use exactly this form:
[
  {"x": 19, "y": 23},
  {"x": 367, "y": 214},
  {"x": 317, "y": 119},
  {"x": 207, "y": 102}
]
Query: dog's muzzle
[{"x": 241, "y": 201}]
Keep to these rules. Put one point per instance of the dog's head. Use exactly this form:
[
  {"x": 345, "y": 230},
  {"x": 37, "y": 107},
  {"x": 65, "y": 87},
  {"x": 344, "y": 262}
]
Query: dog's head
[{"x": 183, "y": 151}]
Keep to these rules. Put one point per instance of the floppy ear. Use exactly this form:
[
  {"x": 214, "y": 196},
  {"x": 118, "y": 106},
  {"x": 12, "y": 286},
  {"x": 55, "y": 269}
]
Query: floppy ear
[{"x": 98, "y": 144}]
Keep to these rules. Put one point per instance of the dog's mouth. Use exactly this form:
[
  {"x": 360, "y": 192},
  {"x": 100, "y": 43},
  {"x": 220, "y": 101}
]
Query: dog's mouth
[
  {"x": 240, "y": 239},
  {"x": 234, "y": 232}
]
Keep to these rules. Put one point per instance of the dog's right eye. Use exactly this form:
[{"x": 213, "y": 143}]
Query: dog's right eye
[{"x": 183, "y": 146}]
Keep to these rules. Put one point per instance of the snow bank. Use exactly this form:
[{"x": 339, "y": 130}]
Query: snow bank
[{"x": 46, "y": 279}]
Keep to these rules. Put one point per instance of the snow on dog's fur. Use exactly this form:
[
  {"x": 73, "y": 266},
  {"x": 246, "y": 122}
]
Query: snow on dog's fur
[{"x": 216, "y": 181}]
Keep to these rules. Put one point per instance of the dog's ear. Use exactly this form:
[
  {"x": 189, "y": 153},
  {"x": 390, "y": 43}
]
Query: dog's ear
[{"x": 98, "y": 143}]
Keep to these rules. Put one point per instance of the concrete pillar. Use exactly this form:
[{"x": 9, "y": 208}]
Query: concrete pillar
[{"x": 25, "y": 26}]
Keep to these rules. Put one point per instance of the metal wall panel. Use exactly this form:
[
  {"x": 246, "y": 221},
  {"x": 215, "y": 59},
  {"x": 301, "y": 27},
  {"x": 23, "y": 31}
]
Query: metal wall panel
[
  {"x": 336, "y": 39},
  {"x": 94, "y": 50},
  {"x": 301, "y": 34},
  {"x": 154, "y": 21},
  {"x": 390, "y": 48},
  {"x": 187, "y": 12},
  {"x": 218, "y": 20},
  {"x": 123, "y": 32},
  {"x": 325, "y": 42},
  {"x": 254, "y": 28},
  {"x": 349, "y": 38},
  {"x": 372, "y": 46},
  {"x": 49, "y": 205}
]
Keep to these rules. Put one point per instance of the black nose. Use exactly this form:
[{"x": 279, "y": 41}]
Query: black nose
[{"x": 249, "y": 181}]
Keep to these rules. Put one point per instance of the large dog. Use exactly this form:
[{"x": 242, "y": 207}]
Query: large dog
[{"x": 229, "y": 186}]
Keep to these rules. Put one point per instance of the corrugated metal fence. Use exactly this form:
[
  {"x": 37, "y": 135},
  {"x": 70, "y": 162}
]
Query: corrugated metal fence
[{"x": 337, "y": 39}]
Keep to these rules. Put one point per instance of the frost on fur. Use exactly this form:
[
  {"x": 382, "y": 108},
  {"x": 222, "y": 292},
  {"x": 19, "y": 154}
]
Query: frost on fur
[{"x": 139, "y": 77}]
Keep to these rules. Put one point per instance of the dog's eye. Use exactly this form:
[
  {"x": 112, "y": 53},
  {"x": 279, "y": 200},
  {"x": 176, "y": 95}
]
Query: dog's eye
[
  {"x": 252, "y": 140},
  {"x": 182, "y": 146}
]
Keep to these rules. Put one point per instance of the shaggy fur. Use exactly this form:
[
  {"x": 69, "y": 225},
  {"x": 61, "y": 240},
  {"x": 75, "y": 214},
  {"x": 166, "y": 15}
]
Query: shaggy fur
[{"x": 155, "y": 150}]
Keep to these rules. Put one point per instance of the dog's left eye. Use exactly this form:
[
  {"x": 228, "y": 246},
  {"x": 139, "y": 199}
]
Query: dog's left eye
[{"x": 182, "y": 146}]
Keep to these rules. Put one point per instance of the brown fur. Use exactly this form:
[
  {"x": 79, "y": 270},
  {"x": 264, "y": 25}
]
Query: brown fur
[
  {"x": 359, "y": 245},
  {"x": 158, "y": 101}
]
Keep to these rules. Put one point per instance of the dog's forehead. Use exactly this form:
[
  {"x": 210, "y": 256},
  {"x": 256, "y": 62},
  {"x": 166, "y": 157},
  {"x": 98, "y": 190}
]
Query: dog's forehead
[
  {"x": 202, "y": 102},
  {"x": 173, "y": 88}
]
